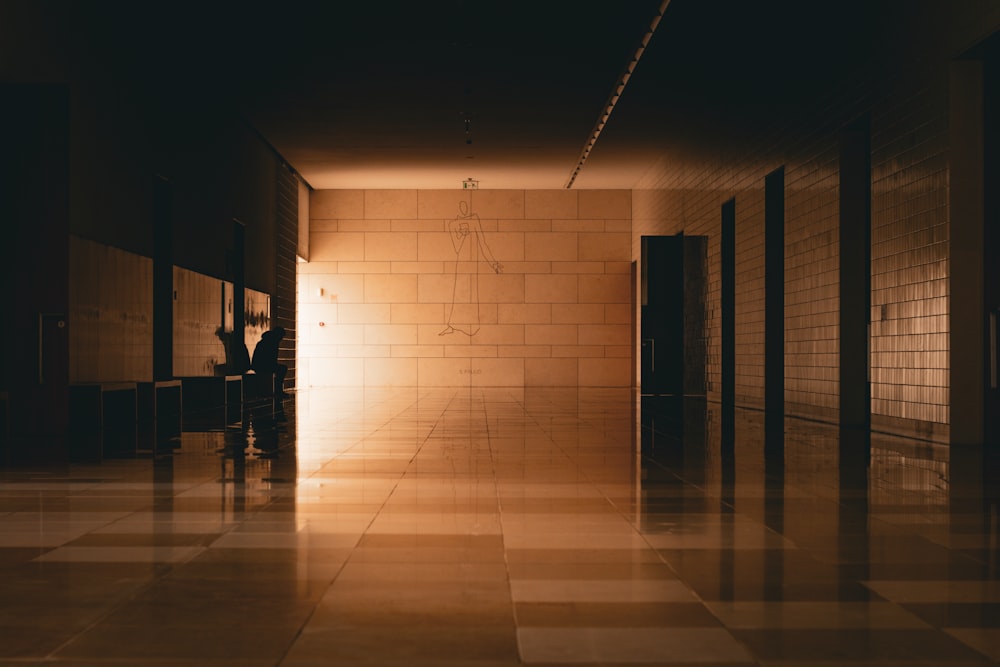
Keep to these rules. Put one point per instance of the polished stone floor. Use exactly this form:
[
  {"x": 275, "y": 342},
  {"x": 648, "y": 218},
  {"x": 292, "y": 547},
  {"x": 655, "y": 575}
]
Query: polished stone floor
[{"x": 489, "y": 528}]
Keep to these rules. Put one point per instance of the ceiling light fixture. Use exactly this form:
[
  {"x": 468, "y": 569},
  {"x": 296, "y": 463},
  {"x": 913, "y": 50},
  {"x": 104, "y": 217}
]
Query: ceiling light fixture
[
  {"x": 467, "y": 118},
  {"x": 616, "y": 92}
]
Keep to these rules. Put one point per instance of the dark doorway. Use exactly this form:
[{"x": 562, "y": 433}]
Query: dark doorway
[
  {"x": 991, "y": 242},
  {"x": 855, "y": 296},
  {"x": 237, "y": 263},
  {"x": 727, "y": 344},
  {"x": 971, "y": 203},
  {"x": 34, "y": 261},
  {"x": 163, "y": 280},
  {"x": 855, "y": 274},
  {"x": 774, "y": 314},
  {"x": 662, "y": 315},
  {"x": 673, "y": 315}
]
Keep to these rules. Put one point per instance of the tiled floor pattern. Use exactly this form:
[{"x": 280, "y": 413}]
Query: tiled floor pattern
[{"x": 490, "y": 528}]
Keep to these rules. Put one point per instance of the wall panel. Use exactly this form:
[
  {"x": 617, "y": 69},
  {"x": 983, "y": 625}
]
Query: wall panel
[{"x": 414, "y": 288}]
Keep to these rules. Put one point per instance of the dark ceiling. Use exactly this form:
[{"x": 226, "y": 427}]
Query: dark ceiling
[{"x": 427, "y": 94}]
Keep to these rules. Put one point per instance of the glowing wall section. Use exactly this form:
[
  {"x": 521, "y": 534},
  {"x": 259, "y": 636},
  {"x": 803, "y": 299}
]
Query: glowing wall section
[
  {"x": 203, "y": 305},
  {"x": 910, "y": 249},
  {"x": 450, "y": 288},
  {"x": 111, "y": 314},
  {"x": 198, "y": 313},
  {"x": 909, "y": 269}
]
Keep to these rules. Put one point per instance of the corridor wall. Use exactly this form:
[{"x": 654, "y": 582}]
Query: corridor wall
[
  {"x": 535, "y": 292},
  {"x": 781, "y": 117}
]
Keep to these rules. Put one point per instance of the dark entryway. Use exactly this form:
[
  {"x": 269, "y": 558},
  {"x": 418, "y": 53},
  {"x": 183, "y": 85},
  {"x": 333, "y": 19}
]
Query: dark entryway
[
  {"x": 991, "y": 241},
  {"x": 34, "y": 261},
  {"x": 673, "y": 315}
]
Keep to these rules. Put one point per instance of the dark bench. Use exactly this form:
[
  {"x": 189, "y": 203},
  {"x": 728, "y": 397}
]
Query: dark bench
[
  {"x": 212, "y": 402},
  {"x": 103, "y": 420},
  {"x": 258, "y": 386},
  {"x": 258, "y": 393},
  {"x": 218, "y": 402},
  {"x": 160, "y": 416}
]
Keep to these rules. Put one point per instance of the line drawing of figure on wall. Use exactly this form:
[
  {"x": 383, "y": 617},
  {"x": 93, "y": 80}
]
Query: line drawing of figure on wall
[{"x": 471, "y": 250}]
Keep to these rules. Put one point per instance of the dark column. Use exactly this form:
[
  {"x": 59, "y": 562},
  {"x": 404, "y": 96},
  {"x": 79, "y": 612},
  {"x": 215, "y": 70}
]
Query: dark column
[
  {"x": 855, "y": 290},
  {"x": 852, "y": 513},
  {"x": 695, "y": 278},
  {"x": 663, "y": 315},
  {"x": 991, "y": 246},
  {"x": 774, "y": 315},
  {"x": 163, "y": 280},
  {"x": 633, "y": 286},
  {"x": 238, "y": 266},
  {"x": 34, "y": 261},
  {"x": 728, "y": 314},
  {"x": 966, "y": 201},
  {"x": 774, "y": 377}
]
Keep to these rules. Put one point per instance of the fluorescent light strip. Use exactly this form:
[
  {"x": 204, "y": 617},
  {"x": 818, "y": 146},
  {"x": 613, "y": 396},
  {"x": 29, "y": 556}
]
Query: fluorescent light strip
[{"x": 616, "y": 92}]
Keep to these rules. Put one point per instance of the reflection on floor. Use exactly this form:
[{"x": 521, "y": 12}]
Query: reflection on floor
[{"x": 495, "y": 527}]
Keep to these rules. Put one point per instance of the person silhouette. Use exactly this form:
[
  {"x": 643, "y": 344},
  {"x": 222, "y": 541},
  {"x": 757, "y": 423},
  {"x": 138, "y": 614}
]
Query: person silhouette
[
  {"x": 237, "y": 357},
  {"x": 265, "y": 359},
  {"x": 471, "y": 248}
]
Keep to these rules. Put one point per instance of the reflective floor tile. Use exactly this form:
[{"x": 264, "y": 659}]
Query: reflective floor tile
[
  {"x": 630, "y": 645},
  {"x": 983, "y": 640},
  {"x": 352, "y": 645},
  {"x": 802, "y": 615},
  {"x": 491, "y": 528},
  {"x": 938, "y": 591},
  {"x": 120, "y": 554},
  {"x": 589, "y": 590},
  {"x": 614, "y": 615},
  {"x": 957, "y": 614},
  {"x": 855, "y": 644}
]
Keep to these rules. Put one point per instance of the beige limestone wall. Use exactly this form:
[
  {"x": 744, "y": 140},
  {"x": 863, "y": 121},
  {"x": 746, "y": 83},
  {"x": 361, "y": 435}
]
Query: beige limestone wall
[
  {"x": 451, "y": 288},
  {"x": 111, "y": 313}
]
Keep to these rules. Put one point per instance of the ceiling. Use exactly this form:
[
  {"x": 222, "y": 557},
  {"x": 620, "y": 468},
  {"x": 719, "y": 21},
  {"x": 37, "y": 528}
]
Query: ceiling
[
  {"x": 427, "y": 95},
  {"x": 396, "y": 94}
]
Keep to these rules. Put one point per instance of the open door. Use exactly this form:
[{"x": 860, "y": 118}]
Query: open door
[
  {"x": 673, "y": 315},
  {"x": 662, "y": 315}
]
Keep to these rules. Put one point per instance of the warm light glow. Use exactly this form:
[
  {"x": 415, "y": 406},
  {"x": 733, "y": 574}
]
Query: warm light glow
[{"x": 444, "y": 288}]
